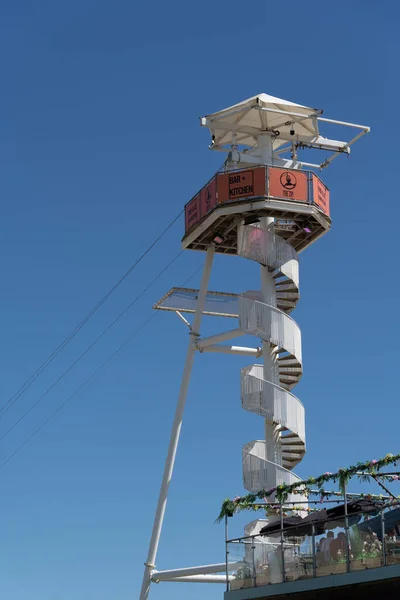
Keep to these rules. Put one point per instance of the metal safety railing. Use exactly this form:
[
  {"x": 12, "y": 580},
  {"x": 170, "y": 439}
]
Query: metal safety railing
[
  {"x": 259, "y": 181},
  {"x": 353, "y": 542}
]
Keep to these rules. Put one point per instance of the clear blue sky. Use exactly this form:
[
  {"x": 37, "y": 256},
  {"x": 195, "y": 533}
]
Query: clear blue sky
[{"x": 100, "y": 147}]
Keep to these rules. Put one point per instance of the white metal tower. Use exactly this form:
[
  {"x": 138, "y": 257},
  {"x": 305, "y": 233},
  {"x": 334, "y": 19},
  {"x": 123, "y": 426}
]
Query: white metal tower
[{"x": 265, "y": 205}]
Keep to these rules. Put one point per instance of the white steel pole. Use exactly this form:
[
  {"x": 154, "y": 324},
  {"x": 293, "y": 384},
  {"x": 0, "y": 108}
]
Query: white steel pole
[
  {"x": 202, "y": 570},
  {"x": 219, "y": 337},
  {"x": 176, "y": 428},
  {"x": 241, "y": 350},
  {"x": 201, "y": 579},
  {"x": 268, "y": 294}
]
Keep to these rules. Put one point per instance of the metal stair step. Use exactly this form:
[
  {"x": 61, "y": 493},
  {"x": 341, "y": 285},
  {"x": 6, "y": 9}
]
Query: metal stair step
[
  {"x": 297, "y": 368},
  {"x": 287, "y": 295},
  {"x": 293, "y": 449},
  {"x": 288, "y": 386},
  {"x": 287, "y": 455},
  {"x": 292, "y": 458},
  {"x": 291, "y": 438},
  {"x": 277, "y": 273},
  {"x": 290, "y": 464},
  {"x": 289, "y": 359},
  {"x": 285, "y": 303},
  {"x": 288, "y": 378},
  {"x": 286, "y": 287}
]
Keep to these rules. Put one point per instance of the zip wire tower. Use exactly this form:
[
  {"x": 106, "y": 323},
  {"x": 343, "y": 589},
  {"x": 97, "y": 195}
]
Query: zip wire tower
[{"x": 265, "y": 205}]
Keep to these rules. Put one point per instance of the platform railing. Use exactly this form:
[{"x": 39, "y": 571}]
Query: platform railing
[
  {"x": 288, "y": 556},
  {"x": 211, "y": 195}
]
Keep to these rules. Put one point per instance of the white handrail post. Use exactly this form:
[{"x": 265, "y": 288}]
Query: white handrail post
[{"x": 176, "y": 428}]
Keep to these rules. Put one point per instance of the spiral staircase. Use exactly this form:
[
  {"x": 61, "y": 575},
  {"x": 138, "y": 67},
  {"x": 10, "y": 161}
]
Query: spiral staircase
[{"x": 272, "y": 400}]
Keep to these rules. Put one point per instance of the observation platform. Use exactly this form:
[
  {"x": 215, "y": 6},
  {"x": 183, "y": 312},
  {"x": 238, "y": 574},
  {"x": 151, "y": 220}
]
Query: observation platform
[{"x": 297, "y": 199}]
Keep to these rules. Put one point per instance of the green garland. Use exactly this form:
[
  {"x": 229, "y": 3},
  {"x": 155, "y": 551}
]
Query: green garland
[{"x": 229, "y": 507}]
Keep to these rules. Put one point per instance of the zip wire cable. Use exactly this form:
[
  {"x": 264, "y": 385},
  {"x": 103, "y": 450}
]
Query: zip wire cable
[
  {"x": 88, "y": 380},
  {"x": 88, "y": 348},
  {"x": 73, "y": 333}
]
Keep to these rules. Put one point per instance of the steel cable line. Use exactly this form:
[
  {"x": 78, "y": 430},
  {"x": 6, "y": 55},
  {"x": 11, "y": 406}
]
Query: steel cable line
[
  {"x": 73, "y": 333},
  {"x": 76, "y": 361},
  {"x": 84, "y": 384},
  {"x": 87, "y": 381}
]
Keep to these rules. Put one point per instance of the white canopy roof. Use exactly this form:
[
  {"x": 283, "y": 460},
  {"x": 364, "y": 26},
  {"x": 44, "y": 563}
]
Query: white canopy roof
[{"x": 261, "y": 114}]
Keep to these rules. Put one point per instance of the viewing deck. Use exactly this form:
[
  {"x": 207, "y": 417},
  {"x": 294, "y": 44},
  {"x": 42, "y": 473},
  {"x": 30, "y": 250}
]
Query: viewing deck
[{"x": 298, "y": 200}]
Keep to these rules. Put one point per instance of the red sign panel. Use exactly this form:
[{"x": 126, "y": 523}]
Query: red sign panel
[
  {"x": 321, "y": 195},
  {"x": 288, "y": 183},
  {"x": 201, "y": 204},
  {"x": 192, "y": 212},
  {"x": 208, "y": 197},
  {"x": 239, "y": 185}
]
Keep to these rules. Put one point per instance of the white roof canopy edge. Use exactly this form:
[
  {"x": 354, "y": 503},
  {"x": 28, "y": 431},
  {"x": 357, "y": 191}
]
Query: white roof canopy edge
[{"x": 286, "y": 123}]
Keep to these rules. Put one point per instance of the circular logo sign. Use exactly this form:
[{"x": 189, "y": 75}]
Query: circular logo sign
[{"x": 288, "y": 180}]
